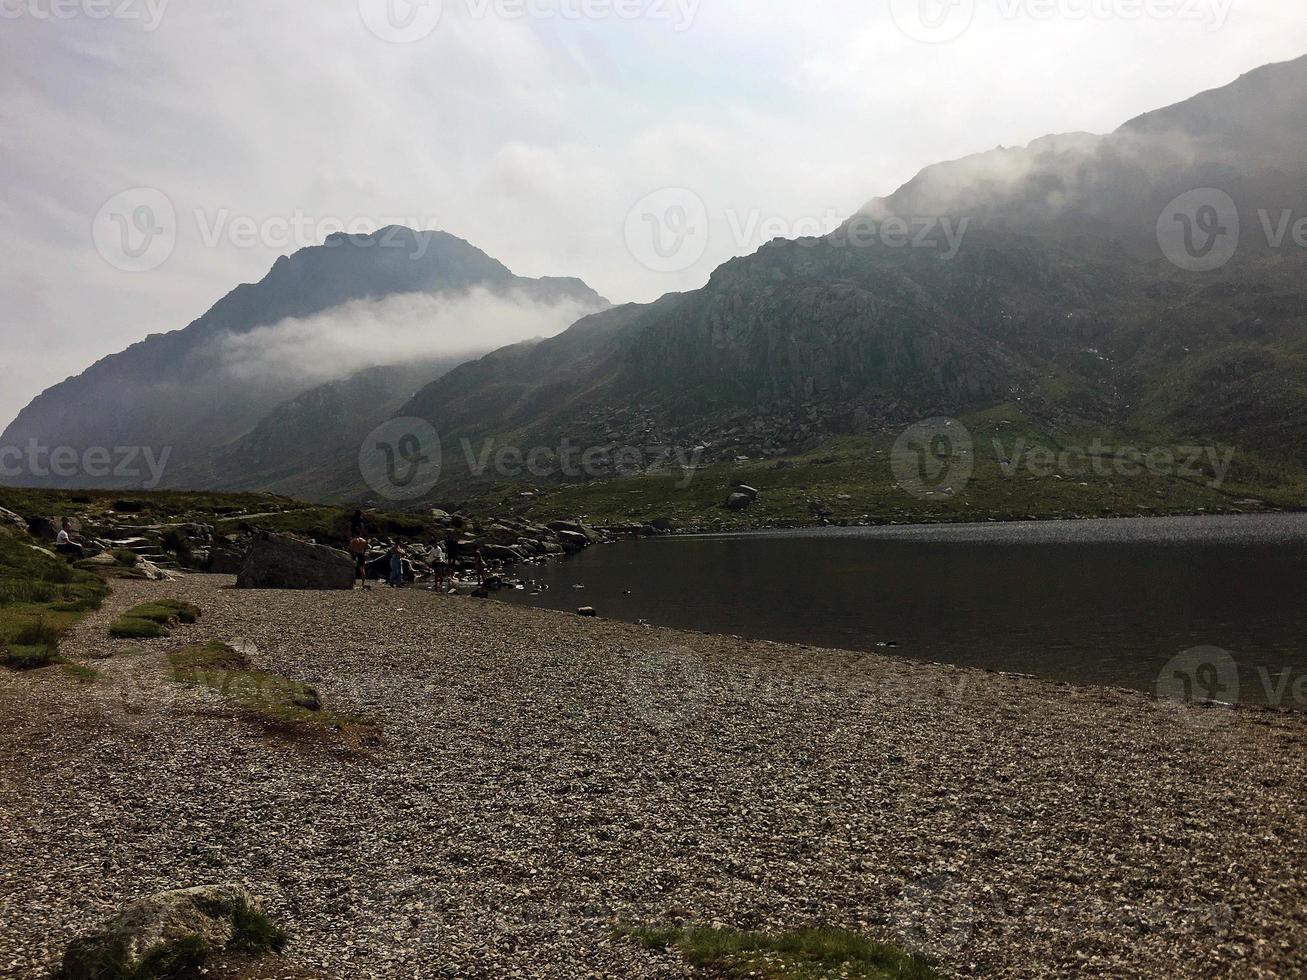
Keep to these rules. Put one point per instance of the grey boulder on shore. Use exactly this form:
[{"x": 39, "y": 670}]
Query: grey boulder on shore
[{"x": 277, "y": 561}]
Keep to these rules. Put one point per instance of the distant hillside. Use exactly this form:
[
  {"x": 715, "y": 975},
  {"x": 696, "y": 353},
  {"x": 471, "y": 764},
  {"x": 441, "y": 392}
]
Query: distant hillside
[
  {"x": 212, "y": 383},
  {"x": 1059, "y": 302}
]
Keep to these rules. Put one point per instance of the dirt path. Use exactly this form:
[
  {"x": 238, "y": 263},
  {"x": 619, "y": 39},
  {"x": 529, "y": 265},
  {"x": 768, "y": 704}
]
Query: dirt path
[{"x": 549, "y": 776}]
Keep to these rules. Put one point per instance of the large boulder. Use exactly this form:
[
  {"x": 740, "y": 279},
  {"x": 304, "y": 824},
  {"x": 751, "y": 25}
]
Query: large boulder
[
  {"x": 739, "y": 501},
  {"x": 576, "y": 527},
  {"x": 276, "y": 561},
  {"x": 573, "y": 541},
  {"x": 172, "y": 934}
]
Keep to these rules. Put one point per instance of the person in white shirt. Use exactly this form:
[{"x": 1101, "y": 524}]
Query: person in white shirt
[
  {"x": 439, "y": 566},
  {"x": 64, "y": 543}
]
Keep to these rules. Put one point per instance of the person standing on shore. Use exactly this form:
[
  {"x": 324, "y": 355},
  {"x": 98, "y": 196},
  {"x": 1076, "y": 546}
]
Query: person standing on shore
[
  {"x": 358, "y": 547},
  {"x": 452, "y": 549},
  {"x": 439, "y": 565},
  {"x": 396, "y": 579},
  {"x": 356, "y": 525}
]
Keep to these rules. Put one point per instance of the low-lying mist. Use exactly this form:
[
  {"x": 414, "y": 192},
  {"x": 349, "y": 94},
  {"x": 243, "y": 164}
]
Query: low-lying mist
[{"x": 400, "y": 329}]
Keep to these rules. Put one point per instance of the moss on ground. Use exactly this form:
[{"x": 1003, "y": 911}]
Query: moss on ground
[
  {"x": 281, "y": 703},
  {"x": 151, "y": 620},
  {"x": 805, "y": 954},
  {"x": 183, "y": 958}
]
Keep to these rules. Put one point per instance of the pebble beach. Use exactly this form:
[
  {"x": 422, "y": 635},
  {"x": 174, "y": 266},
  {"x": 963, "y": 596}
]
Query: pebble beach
[{"x": 544, "y": 778}]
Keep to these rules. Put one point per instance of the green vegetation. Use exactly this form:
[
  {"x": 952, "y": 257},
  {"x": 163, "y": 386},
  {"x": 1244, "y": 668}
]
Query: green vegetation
[
  {"x": 81, "y": 672},
  {"x": 128, "y": 559},
  {"x": 183, "y": 958},
  {"x": 41, "y": 597},
  {"x": 850, "y": 480},
  {"x": 151, "y": 620},
  {"x": 279, "y": 702},
  {"x": 254, "y": 932},
  {"x": 806, "y": 954}
]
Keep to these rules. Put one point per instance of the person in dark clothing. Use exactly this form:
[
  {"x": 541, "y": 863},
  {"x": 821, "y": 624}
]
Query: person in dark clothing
[
  {"x": 356, "y": 525},
  {"x": 452, "y": 555},
  {"x": 396, "y": 580}
]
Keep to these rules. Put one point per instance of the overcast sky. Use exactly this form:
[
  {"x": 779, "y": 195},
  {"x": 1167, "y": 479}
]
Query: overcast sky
[{"x": 532, "y": 128}]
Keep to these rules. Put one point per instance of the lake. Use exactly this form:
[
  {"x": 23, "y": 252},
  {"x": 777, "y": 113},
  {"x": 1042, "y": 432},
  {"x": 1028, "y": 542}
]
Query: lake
[{"x": 1111, "y": 602}]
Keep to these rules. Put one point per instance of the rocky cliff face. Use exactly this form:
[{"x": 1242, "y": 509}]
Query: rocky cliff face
[{"x": 1057, "y": 299}]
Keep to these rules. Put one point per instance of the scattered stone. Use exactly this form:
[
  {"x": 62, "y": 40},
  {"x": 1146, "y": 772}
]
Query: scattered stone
[{"x": 587, "y": 611}]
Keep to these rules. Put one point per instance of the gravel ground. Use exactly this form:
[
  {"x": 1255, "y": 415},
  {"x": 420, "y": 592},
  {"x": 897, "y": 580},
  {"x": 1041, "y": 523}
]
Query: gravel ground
[{"x": 548, "y": 776}]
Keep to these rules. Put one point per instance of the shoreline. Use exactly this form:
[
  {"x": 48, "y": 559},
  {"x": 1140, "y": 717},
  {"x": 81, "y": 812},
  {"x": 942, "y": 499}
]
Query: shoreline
[{"x": 547, "y": 776}]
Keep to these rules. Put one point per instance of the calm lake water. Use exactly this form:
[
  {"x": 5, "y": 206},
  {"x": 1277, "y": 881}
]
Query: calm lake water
[{"x": 1098, "y": 602}]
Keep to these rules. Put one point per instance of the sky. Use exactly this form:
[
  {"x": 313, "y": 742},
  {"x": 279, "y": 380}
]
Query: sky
[{"x": 156, "y": 153}]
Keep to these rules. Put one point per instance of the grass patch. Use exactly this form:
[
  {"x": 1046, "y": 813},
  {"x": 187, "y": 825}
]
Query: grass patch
[
  {"x": 41, "y": 596},
  {"x": 130, "y": 628},
  {"x": 279, "y": 702},
  {"x": 81, "y": 672},
  {"x": 255, "y": 933},
  {"x": 151, "y": 620},
  {"x": 805, "y": 954},
  {"x": 128, "y": 559}
]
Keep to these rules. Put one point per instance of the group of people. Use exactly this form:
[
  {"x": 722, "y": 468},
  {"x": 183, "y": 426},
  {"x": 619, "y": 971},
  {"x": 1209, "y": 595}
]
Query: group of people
[{"x": 446, "y": 558}]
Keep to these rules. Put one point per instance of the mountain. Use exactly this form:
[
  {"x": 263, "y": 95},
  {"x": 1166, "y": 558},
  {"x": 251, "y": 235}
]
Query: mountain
[
  {"x": 1042, "y": 285},
  {"x": 319, "y": 431},
  {"x": 319, "y": 316}
]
